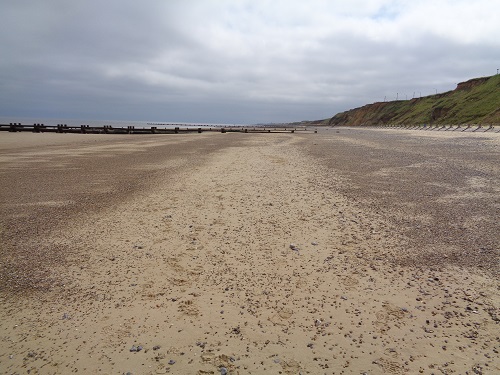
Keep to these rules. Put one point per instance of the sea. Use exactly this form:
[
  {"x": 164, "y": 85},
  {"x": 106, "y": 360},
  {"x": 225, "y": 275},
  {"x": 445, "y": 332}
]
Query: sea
[{"x": 114, "y": 123}]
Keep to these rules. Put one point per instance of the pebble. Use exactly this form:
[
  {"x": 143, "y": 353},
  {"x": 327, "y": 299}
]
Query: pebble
[
  {"x": 294, "y": 247},
  {"x": 223, "y": 371},
  {"x": 171, "y": 362}
]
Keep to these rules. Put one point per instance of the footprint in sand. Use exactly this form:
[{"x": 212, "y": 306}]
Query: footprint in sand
[
  {"x": 291, "y": 367},
  {"x": 189, "y": 308},
  {"x": 389, "y": 367},
  {"x": 350, "y": 282},
  {"x": 281, "y": 316},
  {"x": 389, "y": 313}
]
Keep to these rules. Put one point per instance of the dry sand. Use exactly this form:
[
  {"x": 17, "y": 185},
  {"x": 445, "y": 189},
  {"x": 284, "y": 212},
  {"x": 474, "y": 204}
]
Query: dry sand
[{"x": 349, "y": 251}]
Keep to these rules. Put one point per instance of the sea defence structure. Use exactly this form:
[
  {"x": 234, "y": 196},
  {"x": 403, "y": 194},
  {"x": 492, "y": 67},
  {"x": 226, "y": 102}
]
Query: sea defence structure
[{"x": 131, "y": 129}]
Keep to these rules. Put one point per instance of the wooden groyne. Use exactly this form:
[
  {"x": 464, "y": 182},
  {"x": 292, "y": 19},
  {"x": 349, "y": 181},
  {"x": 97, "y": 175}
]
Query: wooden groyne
[{"x": 131, "y": 129}]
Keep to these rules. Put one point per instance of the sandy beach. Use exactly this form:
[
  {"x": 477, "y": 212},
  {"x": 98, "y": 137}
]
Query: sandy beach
[{"x": 349, "y": 251}]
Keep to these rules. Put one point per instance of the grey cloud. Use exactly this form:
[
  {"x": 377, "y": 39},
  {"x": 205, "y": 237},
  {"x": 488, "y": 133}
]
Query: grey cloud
[{"x": 247, "y": 61}]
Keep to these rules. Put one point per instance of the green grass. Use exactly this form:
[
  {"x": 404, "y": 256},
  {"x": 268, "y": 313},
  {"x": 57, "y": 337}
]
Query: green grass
[{"x": 477, "y": 102}]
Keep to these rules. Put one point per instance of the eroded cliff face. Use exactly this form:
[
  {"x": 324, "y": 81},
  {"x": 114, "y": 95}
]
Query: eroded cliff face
[
  {"x": 474, "y": 101},
  {"x": 471, "y": 83},
  {"x": 370, "y": 114}
]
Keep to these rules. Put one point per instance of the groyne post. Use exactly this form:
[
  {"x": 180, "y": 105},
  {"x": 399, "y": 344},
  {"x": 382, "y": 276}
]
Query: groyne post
[{"x": 14, "y": 127}]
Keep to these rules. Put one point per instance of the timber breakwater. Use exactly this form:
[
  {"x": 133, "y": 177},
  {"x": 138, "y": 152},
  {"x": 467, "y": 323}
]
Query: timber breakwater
[{"x": 131, "y": 129}]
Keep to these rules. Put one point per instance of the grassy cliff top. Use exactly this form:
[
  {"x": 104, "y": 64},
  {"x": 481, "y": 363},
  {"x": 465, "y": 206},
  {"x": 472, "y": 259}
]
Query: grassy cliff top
[{"x": 475, "y": 101}]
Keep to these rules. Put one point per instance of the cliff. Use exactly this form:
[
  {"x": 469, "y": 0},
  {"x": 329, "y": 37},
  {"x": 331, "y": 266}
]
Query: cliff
[{"x": 476, "y": 101}]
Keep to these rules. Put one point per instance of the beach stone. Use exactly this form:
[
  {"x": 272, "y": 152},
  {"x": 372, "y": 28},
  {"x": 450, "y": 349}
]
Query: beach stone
[
  {"x": 135, "y": 348},
  {"x": 223, "y": 371},
  {"x": 171, "y": 362},
  {"x": 201, "y": 344}
]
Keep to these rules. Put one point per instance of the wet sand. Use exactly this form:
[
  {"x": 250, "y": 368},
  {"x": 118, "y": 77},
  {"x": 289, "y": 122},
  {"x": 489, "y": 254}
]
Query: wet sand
[{"x": 349, "y": 251}]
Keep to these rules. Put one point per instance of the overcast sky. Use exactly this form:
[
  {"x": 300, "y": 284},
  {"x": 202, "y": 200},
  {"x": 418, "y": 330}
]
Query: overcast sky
[{"x": 236, "y": 61}]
